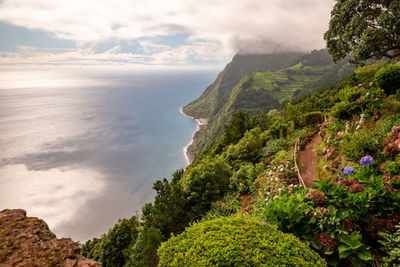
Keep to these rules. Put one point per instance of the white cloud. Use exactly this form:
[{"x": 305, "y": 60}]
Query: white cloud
[{"x": 225, "y": 26}]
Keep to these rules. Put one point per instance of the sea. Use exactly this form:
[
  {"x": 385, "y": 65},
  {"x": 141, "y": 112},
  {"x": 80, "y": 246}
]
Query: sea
[{"x": 82, "y": 148}]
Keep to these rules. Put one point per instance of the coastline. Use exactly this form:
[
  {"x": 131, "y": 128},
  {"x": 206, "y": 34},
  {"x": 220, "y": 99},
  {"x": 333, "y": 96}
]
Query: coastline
[{"x": 188, "y": 149}]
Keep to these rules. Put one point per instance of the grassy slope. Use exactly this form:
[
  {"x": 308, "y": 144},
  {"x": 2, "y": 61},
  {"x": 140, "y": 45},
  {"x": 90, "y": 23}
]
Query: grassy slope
[{"x": 260, "y": 92}]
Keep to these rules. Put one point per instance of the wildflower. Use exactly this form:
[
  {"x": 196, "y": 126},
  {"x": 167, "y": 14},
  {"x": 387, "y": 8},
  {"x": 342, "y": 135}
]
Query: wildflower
[
  {"x": 395, "y": 129},
  {"x": 355, "y": 188},
  {"x": 326, "y": 240},
  {"x": 362, "y": 121},
  {"x": 348, "y": 170},
  {"x": 376, "y": 99},
  {"x": 316, "y": 196},
  {"x": 259, "y": 193},
  {"x": 367, "y": 94},
  {"x": 240, "y": 184},
  {"x": 371, "y": 83},
  {"x": 362, "y": 116},
  {"x": 366, "y": 161}
]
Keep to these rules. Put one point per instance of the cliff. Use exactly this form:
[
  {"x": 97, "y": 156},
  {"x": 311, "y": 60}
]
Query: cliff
[{"x": 27, "y": 241}]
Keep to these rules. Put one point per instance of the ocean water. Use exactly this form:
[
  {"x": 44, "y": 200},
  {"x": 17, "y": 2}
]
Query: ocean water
[{"x": 81, "y": 149}]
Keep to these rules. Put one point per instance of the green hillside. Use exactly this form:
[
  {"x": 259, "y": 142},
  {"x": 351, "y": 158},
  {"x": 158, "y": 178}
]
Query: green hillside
[
  {"x": 260, "y": 92},
  {"x": 247, "y": 179},
  {"x": 214, "y": 97}
]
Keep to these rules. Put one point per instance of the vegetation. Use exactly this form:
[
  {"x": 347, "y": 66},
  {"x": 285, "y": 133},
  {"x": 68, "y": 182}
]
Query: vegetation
[
  {"x": 242, "y": 196},
  {"x": 260, "y": 92},
  {"x": 367, "y": 29},
  {"x": 236, "y": 242}
]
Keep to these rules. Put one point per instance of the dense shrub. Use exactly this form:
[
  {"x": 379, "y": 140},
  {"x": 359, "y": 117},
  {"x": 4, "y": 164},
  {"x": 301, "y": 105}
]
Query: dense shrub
[
  {"x": 143, "y": 251},
  {"x": 239, "y": 241},
  {"x": 313, "y": 118},
  {"x": 388, "y": 78},
  {"x": 364, "y": 143}
]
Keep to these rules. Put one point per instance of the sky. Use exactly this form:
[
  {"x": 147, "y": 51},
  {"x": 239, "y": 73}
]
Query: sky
[{"x": 155, "y": 32}]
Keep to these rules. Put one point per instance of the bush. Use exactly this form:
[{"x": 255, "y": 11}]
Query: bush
[
  {"x": 388, "y": 78},
  {"x": 364, "y": 143},
  {"x": 313, "y": 118},
  {"x": 239, "y": 241}
]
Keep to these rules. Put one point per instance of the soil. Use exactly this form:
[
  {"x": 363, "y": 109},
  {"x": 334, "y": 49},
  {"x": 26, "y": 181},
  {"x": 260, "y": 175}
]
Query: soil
[{"x": 308, "y": 160}]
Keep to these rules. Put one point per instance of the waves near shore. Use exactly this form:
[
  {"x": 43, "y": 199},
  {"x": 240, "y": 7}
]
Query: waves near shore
[{"x": 188, "y": 149}]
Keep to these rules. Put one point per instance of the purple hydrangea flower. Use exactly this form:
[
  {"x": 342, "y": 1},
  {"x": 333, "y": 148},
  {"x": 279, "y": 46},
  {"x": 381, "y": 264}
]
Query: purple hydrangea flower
[
  {"x": 367, "y": 160},
  {"x": 348, "y": 170}
]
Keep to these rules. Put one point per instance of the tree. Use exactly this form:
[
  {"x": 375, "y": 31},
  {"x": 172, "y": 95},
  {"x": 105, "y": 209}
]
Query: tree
[{"x": 369, "y": 29}]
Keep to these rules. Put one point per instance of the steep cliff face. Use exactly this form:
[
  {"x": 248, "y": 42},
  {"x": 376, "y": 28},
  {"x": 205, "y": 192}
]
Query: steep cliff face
[
  {"x": 262, "y": 90},
  {"x": 27, "y": 241},
  {"x": 215, "y": 96}
]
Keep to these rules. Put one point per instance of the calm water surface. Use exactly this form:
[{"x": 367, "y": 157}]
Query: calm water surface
[{"x": 81, "y": 149}]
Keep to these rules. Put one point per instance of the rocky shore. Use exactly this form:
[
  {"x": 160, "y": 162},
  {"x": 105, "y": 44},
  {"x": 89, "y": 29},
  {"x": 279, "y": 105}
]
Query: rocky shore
[{"x": 201, "y": 123}]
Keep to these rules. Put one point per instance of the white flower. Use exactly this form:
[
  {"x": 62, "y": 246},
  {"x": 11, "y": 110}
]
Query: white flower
[{"x": 362, "y": 116}]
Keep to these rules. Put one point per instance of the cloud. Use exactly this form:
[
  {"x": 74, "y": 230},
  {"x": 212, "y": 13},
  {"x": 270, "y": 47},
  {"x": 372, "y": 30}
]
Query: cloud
[{"x": 256, "y": 26}]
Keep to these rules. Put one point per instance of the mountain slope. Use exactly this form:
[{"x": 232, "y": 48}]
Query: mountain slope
[
  {"x": 214, "y": 97},
  {"x": 260, "y": 92}
]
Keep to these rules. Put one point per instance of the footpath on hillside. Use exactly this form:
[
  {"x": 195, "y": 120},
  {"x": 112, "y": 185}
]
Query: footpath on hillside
[{"x": 308, "y": 160}]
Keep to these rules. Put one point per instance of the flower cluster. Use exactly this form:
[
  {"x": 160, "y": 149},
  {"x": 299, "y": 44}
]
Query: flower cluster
[
  {"x": 366, "y": 161},
  {"x": 316, "y": 196},
  {"x": 326, "y": 240},
  {"x": 319, "y": 212},
  {"x": 353, "y": 185},
  {"x": 348, "y": 170},
  {"x": 392, "y": 142},
  {"x": 348, "y": 225}
]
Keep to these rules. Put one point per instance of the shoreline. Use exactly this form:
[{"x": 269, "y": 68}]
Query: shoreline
[{"x": 188, "y": 149}]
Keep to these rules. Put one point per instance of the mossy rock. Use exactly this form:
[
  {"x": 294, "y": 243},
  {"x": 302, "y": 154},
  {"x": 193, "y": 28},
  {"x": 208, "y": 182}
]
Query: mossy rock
[{"x": 236, "y": 241}]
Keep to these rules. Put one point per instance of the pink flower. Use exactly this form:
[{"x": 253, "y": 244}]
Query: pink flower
[
  {"x": 397, "y": 143},
  {"x": 395, "y": 129},
  {"x": 371, "y": 83},
  {"x": 362, "y": 122}
]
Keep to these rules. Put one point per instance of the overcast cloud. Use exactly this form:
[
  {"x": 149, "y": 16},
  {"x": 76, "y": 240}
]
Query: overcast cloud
[{"x": 130, "y": 30}]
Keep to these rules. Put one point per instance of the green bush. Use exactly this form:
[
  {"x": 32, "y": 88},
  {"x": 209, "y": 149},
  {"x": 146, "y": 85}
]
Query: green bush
[
  {"x": 388, "y": 78},
  {"x": 144, "y": 251},
  {"x": 313, "y": 118},
  {"x": 229, "y": 241},
  {"x": 364, "y": 143}
]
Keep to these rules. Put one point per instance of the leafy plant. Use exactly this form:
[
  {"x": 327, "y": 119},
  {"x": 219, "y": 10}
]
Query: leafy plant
[
  {"x": 391, "y": 245},
  {"x": 353, "y": 249}
]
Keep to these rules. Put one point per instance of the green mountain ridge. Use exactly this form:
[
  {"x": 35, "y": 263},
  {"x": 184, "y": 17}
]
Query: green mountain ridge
[{"x": 259, "y": 92}]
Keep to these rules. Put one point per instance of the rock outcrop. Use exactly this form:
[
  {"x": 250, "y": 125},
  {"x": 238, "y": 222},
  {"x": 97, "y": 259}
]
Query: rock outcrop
[{"x": 27, "y": 241}]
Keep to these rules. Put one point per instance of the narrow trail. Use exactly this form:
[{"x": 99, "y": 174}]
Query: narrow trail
[{"x": 308, "y": 160}]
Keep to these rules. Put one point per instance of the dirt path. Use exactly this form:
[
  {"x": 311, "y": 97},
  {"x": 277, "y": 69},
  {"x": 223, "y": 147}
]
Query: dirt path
[{"x": 308, "y": 161}]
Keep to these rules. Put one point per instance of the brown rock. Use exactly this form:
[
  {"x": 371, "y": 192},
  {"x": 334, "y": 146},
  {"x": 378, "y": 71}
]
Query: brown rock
[{"x": 27, "y": 241}]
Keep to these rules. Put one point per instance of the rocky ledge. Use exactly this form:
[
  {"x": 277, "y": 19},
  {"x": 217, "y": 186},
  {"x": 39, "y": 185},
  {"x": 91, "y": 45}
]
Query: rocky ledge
[{"x": 27, "y": 241}]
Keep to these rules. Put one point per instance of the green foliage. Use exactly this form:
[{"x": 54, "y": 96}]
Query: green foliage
[
  {"x": 237, "y": 127},
  {"x": 352, "y": 248},
  {"x": 111, "y": 248},
  {"x": 144, "y": 251},
  {"x": 367, "y": 73},
  {"x": 311, "y": 118},
  {"x": 243, "y": 178},
  {"x": 289, "y": 212},
  {"x": 205, "y": 183},
  {"x": 388, "y": 78},
  {"x": 367, "y": 29},
  {"x": 391, "y": 246},
  {"x": 272, "y": 147},
  {"x": 236, "y": 242},
  {"x": 228, "y": 206},
  {"x": 169, "y": 211},
  {"x": 366, "y": 142},
  {"x": 248, "y": 148}
]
